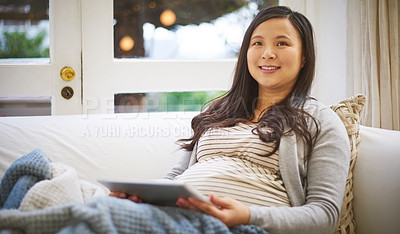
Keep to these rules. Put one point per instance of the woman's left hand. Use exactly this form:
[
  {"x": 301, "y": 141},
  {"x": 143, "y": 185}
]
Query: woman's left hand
[{"x": 228, "y": 210}]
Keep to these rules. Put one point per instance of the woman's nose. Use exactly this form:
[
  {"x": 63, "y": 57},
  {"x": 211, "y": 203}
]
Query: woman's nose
[{"x": 269, "y": 53}]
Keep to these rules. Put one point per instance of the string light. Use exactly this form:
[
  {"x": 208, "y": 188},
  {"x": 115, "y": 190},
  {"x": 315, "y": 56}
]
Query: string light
[
  {"x": 136, "y": 7},
  {"x": 152, "y": 5},
  {"x": 126, "y": 43},
  {"x": 168, "y": 17}
]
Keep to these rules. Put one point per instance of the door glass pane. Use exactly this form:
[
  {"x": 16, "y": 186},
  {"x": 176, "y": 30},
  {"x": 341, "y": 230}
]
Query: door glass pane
[
  {"x": 163, "y": 101},
  {"x": 24, "y": 30},
  {"x": 182, "y": 29}
]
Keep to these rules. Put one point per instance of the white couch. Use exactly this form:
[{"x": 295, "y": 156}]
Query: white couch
[{"x": 142, "y": 146}]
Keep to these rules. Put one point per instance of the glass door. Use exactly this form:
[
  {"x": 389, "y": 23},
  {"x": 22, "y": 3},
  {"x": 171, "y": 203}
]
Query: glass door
[
  {"x": 40, "y": 57},
  {"x": 141, "y": 46},
  {"x": 99, "y": 50}
]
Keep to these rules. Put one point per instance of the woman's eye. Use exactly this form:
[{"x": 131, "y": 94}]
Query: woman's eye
[
  {"x": 282, "y": 43},
  {"x": 257, "y": 43}
]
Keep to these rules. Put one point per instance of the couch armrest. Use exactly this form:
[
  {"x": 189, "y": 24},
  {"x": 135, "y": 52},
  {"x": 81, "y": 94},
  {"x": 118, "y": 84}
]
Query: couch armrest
[{"x": 376, "y": 181}]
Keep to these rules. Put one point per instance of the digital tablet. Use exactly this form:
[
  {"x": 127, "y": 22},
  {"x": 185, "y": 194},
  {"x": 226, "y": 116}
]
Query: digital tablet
[{"x": 158, "y": 192}]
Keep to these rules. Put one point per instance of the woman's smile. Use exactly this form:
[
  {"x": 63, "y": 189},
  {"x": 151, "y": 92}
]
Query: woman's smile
[{"x": 269, "y": 69}]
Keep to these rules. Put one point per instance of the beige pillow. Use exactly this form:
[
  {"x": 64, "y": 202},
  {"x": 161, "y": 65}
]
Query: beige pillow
[{"x": 349, "y": 111}]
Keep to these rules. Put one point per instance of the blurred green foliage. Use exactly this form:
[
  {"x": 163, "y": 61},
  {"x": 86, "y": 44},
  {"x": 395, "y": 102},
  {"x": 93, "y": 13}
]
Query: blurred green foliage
[
  {"x": 18, "y": 45},
  {"x": 186, "y": 101}
]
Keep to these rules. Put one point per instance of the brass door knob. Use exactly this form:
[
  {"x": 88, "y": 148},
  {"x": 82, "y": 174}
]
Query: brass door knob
[{"x": 67, "y": 73}]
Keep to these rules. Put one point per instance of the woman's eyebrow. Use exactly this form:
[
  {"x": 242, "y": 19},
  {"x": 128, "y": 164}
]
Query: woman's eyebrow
[
  {"x": 278, "y": 37},
  {"x": 256, "y": 37},
  {"x": 284, "y": 37}
]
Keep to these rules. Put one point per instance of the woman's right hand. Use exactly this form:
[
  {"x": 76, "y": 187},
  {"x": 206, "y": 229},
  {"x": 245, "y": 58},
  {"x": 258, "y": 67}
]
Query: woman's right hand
[{"x": 125, "y": 196}]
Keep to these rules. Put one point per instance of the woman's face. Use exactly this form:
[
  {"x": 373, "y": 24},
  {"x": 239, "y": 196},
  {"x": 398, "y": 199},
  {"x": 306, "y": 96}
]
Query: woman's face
[{"x": 274, "y": 56}]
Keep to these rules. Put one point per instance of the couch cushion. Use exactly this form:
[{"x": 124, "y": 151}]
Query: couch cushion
[{"x": 349, "y": 111}]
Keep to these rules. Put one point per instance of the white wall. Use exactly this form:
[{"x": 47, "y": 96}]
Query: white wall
[{"x": 330, "y": 25}]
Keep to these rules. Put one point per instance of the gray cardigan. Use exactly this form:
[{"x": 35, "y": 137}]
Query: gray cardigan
[{"x": 315, "y": 188}]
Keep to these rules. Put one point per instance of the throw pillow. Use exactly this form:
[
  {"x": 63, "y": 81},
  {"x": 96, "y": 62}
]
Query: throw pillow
[{"x": 349, "y": 111}]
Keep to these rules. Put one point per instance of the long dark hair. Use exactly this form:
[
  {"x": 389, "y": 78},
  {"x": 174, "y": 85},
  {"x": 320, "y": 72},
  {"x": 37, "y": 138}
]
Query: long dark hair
[{"x": 238, "y": 104}]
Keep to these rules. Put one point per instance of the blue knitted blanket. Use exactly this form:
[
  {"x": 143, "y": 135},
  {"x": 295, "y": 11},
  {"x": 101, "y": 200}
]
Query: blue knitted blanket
[
  {"x": 25, "y": 172},
  {"x": 112, "y": 215},
  {"x": 101, "y": 215}
]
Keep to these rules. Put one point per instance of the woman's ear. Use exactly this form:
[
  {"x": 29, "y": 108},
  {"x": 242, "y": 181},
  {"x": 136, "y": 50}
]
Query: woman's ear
[{"x": 303, "y": 61}]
